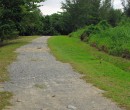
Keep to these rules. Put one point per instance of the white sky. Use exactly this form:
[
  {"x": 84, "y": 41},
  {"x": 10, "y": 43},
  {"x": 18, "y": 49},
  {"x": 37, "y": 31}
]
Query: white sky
[{"x": 52, "y": 6}]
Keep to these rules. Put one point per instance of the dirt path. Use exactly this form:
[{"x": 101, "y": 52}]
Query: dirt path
[{"x": 39, "y": 82}]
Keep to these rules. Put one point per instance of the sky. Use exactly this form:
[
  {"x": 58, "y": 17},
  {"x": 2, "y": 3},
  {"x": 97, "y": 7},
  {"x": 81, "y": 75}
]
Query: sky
[{"x": 53, "y": 6}]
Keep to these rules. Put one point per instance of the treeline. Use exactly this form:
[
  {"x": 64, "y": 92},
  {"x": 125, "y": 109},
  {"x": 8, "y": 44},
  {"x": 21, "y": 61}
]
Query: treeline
[
  {"x": 19, "y": 17},
  {"x": 79, "y": 13},
  {"x": 23, "y": 17},
  {"x": 112, "y": 39}
]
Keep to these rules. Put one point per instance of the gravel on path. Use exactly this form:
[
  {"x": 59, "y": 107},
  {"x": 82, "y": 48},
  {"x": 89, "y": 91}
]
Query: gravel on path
[{"x": 39, "y": 82}]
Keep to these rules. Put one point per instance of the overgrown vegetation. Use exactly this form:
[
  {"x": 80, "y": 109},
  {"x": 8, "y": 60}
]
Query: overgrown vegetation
[
  {"x": 113, "y": 40},
  {"x": 109, "y": 73},
  {"x": 112, "y": 33}
]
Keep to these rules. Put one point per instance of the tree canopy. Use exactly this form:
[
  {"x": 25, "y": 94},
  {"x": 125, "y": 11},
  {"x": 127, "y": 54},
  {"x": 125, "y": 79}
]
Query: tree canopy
[
  {"x": 23, "y": 17},
  {"x": 15, "y": 17}
]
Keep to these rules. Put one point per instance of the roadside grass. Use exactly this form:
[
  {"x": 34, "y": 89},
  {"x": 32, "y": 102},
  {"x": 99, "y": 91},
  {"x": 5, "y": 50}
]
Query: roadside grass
[
  {"x": 107, "y": 72},
  {"x": 4, "y": 99},
  {"x": 7, "y": 55}
]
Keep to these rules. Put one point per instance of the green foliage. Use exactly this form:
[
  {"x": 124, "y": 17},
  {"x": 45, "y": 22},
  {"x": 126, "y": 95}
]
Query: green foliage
[
  {"x": 103, "y": 25},
  {"x": 19, "y": 17},
  {"x": 85, "y": 32},
  {"x": 126, "y": 5},
  {"x": 114, "y": 17},
  {"x": 56, "y": 24},
  {"x": 116, "y": 41},
  {"x": 78, "y": 33},
  {"x": 52, "y": 25},
  {"x": 105, "y": 8},
  {"x": 9, "y": 17},
  {"x": 90, "y": 30},
  {"x": 125, "y": 21},
  {"x": 8, "y": 31},
  {"x": 31, "y": 23},
  {"x": 90, "y": 12},
  {"x": 81, "y": 12}
]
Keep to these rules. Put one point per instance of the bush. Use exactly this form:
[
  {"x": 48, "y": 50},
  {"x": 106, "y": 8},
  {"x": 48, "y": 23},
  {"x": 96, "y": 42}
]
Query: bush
[
  {"x": 103, "y": 25},
  {"x": 8, "y": 31},
  {"x": 78, "y": 33},
  {"x": 92, "y": 29},
  {"x": 115, "y": 40}
]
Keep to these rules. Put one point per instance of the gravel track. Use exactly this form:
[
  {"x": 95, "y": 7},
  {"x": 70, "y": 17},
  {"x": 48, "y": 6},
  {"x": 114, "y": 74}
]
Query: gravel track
[{"x": 39, "y": 82}]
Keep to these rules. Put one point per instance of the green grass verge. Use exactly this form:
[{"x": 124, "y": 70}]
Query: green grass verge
[
  {"x": 109, "y": 73},
  {"x": 4, "y": 99},
  {"x": 7, "y": 55}
]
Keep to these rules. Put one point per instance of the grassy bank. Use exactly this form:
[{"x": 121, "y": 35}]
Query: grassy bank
[
  {"x": 7, "y": 55},
  {"x": 109, "y": 73},
  {"x": 114, "y": 41}
]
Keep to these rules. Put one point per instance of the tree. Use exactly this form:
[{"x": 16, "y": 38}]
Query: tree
[
  {"x": 82, "y": 12},
  {"x": 126, "y": 5},
  {"x": 46, "y": 25},
  {"x": 115, "y": 16},
  {"x": 105, "y": 9},
  {"x": 11, "y": 15},
  {"x": 31, "y": 23}
]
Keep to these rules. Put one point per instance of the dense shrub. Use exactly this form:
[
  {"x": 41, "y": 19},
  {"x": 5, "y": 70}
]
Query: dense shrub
[
  {"x": 103, "y": 25},
  {"x": 78, "y": 33},
  {"x": 116, "y": 41},
  {"x": 7, "y": 31},
  {"x": 92, "y": 29}
]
